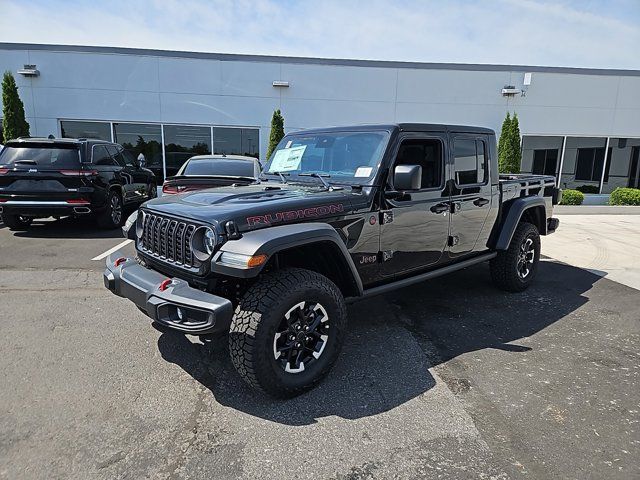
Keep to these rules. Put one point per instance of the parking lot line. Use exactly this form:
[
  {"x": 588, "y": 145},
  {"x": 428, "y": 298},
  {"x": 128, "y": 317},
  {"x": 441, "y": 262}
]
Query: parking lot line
[{"x": 111, "y": 250}]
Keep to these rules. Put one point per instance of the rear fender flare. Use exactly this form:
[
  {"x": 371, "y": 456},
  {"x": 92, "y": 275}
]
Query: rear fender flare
[
  {"x": 515, "y": 210},
  {"x": 271, "y": 240}
]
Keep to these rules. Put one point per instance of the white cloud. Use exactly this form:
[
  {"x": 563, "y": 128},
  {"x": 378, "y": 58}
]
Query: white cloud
[{"x": 506, "y": 31}]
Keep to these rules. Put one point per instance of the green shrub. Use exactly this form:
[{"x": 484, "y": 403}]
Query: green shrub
[
  {"x": 625, "y": 196},
  {"x": 588, "y": 189},
  {"x": 572, "y": 197},
  {"x": 276, "y": 134}
]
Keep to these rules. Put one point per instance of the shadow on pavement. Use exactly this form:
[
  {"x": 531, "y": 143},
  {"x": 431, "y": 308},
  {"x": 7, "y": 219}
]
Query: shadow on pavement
[{"x": 394, "y": 339}]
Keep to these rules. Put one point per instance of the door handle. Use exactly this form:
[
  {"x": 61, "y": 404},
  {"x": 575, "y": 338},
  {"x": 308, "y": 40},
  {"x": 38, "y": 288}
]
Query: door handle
[
  {"x": 440, "y": 208},
  {"x": 480, "y": 202}
]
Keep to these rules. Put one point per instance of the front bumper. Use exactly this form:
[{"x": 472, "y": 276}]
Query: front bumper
[{"x": 178, "y": 305}]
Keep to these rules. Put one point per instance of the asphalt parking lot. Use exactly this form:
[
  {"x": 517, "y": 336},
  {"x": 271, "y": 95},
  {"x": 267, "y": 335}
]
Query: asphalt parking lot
[{"x": 450, "y": 378}]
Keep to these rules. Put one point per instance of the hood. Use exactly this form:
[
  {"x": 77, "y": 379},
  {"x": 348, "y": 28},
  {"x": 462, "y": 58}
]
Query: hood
[{"x": 260, "y": 205}]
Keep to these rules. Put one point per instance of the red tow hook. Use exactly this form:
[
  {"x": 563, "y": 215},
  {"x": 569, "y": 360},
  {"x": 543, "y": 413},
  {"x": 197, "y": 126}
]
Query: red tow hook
[
  {"x": 120, "y": 261},
  {"x": 165, "y": 284}
]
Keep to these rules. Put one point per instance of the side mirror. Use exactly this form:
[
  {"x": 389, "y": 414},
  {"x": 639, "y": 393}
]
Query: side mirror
[{"x": 407, "y": 177}]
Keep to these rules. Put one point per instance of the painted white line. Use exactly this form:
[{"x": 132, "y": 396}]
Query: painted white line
[{"x": 111, "y": 250}]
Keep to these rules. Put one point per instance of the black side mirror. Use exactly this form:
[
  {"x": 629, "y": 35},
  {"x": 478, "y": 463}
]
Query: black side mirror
[{"x": 407, "y": 177}]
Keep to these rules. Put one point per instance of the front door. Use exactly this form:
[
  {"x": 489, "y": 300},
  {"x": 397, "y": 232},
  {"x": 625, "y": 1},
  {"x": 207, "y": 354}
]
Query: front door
[
  {"x": 470, "y": 192},
  {"x": 415, "y": 225},
  {"x": 133, "y": 177}
]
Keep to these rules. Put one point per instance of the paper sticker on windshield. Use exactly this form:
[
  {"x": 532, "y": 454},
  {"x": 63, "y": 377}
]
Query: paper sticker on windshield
[
  {"x": 363, "y": 172},
  {"x": 287, "y": 159},
  {"x": 288, "y": 144}
]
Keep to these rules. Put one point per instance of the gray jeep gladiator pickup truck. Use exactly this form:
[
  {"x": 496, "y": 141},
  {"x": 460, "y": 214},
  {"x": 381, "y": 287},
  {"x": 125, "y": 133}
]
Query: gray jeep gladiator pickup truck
[{"x": 338, "y": 214}]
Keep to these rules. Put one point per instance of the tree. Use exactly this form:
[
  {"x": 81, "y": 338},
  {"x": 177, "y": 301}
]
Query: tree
[
  {"x": 14, "y": 124},
  {"x": 509, "y": 154},
  {"x": 514, "y": 140},
  {"x": 277, "y": 131}
]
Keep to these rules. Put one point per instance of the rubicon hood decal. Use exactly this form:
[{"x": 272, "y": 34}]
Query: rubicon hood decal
[{"x": 292, "y": 215}]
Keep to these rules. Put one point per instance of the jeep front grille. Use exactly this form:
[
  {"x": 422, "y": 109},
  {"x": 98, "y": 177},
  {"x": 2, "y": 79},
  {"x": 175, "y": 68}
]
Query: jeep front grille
[{"x": 168, "y": 239}]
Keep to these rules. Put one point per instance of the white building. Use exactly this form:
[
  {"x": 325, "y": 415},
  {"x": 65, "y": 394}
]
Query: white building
[{"x": 169, "y": 105}]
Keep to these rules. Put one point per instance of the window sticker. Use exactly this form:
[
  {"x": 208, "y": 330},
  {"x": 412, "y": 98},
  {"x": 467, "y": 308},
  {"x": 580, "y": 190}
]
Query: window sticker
[
  {"x": 363, "y": 172},
  {"x": 287, "y": 159},
  {"x": 288, "y": 144}
]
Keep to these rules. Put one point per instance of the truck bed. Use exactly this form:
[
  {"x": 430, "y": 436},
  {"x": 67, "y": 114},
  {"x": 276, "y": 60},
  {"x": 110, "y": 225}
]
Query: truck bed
[{"x": 514, "y": 185}]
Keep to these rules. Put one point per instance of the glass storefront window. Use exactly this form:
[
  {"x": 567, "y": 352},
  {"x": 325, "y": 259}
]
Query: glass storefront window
[
  {"x": 251, "y": 142},
  {"x": 182, "y": 142},
  {"x": 79, "y": 129},
  {"x": 227, "y": 140},
  {"x": 144, "y": 141},
  {"x": 623, "y": 168}
]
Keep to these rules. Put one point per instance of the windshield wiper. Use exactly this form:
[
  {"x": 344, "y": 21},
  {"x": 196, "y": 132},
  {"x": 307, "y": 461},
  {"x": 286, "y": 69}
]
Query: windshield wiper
[
  {"x": 280, "y": 174},
  {"x": 319, "y": 176}
]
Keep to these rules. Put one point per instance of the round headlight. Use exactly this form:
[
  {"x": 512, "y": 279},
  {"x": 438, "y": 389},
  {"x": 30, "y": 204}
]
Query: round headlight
[{"x": 209, "y": 241}]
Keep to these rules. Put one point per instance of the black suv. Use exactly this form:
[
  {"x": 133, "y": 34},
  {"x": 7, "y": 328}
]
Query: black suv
[{"x": 42, "y": 178}]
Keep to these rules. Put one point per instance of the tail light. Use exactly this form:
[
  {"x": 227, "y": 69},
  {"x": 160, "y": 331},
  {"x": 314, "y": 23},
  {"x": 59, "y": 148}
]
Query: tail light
[
  {"x": 170, "y": 189},
  {"x": 4, "y": 171},
  {"x": 79, "y": 173},
  {"x": 78, "y": 201}
]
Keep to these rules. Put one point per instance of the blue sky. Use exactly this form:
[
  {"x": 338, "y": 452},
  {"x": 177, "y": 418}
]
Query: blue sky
[{"x": 589, "y": 33}]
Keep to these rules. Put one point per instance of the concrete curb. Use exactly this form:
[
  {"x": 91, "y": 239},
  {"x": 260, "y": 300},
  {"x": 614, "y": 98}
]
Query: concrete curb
[{"x": 595, "y": 210}]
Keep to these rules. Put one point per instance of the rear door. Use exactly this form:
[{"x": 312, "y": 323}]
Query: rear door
[
  {"x": 470, "y": 192},
  {"x": 44, "y": 171}
]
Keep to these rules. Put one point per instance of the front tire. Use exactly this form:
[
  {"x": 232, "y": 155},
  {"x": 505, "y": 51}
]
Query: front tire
[
  {"x": 16, "y": 222},
  {"x": 113, "y": 216},
  {"x": 287, "y": 331},
  {"x": 514, "y": 269}
]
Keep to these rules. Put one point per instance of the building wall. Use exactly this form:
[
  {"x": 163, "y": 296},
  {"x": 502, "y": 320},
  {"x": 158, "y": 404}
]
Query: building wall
[{"x": 143, "y": 86}]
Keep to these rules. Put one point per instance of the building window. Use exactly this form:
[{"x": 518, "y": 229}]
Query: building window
[
  {"x": 470, "y": 161},
  {"x": 79, "y": 129},
  {"x": 589, "y": 162},
  {"x": 144, "y": 141},
  {"x": 634, "y": 171},
  {"x": 236, "y": 141},
  {"x": 545, "y": 162},
  {"x": 182, "y": 142}
]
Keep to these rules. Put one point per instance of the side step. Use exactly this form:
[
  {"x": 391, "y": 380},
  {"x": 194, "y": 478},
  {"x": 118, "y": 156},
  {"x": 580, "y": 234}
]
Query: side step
[{"x": 405, "y": 282}]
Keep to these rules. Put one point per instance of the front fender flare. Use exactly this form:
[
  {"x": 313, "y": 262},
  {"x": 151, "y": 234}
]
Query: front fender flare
[
  {"x": 512, "y": 217},
  {"x": 272, "y": 240}
]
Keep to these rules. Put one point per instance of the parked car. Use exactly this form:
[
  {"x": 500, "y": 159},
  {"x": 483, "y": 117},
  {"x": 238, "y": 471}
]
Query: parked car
[
  {"x": 42, "y": 177},
  {"x": 341, "y": 214},
  {"x": 207, "y": 171}
]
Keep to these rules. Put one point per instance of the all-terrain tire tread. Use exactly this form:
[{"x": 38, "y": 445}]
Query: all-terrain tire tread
[
  {"x": 503, "y": 272},
  {"x": 261, "y": 298}
]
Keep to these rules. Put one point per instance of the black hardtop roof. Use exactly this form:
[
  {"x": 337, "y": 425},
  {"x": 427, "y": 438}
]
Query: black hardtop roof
[
  {"x": 405, "y": 127},
  {"x": 53, "y": 141}
]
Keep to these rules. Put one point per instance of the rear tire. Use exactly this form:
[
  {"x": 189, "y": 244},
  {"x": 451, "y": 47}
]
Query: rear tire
[
  {"x": 113, "y": 216},
  {"x": 287, "y": 331},
  {"x": 514, "y": 269},
  {"x": 16, "y": 222}
]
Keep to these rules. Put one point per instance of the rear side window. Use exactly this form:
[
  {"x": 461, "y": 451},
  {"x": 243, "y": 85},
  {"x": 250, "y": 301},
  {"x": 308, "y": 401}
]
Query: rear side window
[
  {"x": 470, "y": 161},
  {"x": 219, "y": 166},
  {"x": 43, "y": 156},
  {"x": 101, "y": 156}
]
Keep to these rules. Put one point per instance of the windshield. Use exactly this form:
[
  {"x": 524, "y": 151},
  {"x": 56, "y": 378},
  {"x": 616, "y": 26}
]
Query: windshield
[
  {"x": 219, "y": 166},
  {"x": 348, "y": 157},
  {"x": 58, "y": 156}
]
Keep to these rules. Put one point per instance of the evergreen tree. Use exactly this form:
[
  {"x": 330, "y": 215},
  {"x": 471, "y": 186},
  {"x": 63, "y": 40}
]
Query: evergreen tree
[
  {"x": 504, "y": 145},
  {"x": 277, "y": 132},
  {"x": 514, "y": 139},
  {"x": 14, "y": 124}
]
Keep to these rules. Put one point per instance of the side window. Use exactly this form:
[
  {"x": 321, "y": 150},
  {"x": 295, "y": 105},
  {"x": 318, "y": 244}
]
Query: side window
[
  {"x": 470, "y": 161},
  {"x": 427, "y": 154},
  {"x": 100, "y": 156},
  {"x": 117, "y": 153}
]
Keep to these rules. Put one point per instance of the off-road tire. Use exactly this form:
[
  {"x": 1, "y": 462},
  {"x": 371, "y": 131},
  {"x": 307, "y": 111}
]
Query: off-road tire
[
  {"x": 16, "y": 222},
  {"x": 504, "y": 267},
  {"x": 105, "y": 218},
  {"x": 258, "y": 316}
]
